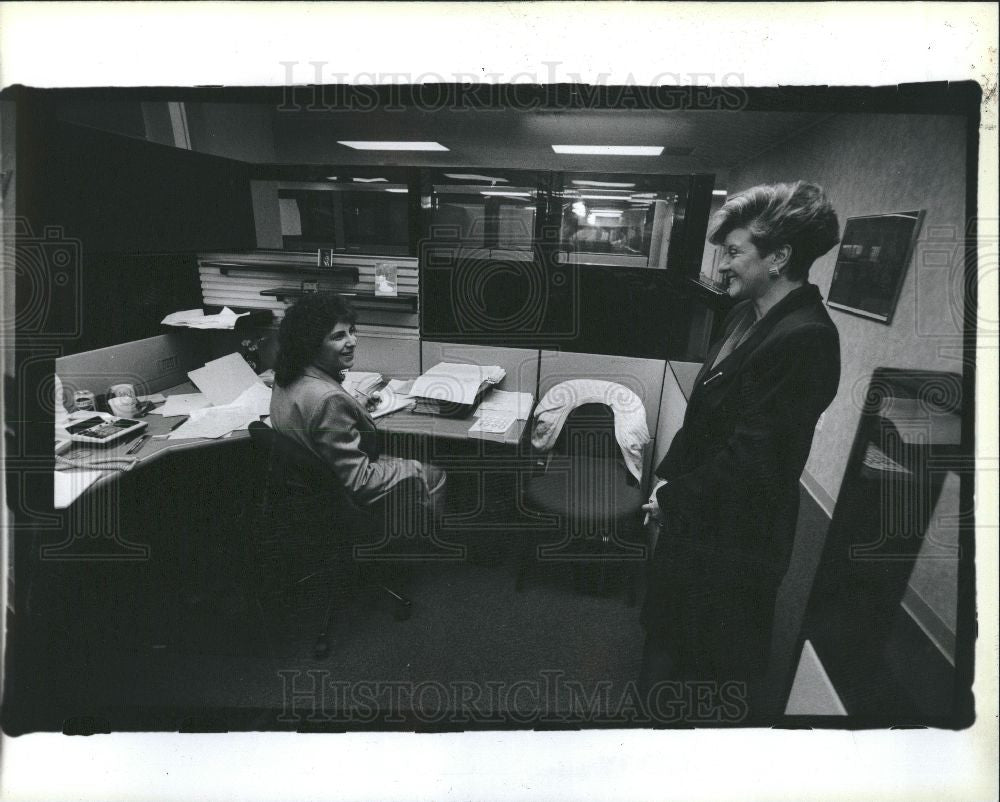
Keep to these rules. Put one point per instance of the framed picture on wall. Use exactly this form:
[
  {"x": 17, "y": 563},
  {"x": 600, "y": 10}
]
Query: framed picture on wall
[{"x": 871, "y": 264}]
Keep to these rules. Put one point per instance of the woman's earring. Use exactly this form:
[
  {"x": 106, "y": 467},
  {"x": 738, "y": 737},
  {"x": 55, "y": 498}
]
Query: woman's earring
[{"x": 774, "y": 271}]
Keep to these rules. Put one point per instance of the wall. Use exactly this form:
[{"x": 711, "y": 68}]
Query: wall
[
  {"x": 234, "y": 130},
  {"x": 870, "y": 164}
]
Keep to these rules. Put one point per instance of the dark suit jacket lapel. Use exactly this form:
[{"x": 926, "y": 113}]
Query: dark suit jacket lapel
[{"x": 732, "y": 363}]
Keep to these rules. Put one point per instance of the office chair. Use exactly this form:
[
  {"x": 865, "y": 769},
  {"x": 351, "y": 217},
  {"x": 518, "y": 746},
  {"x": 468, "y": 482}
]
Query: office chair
[
  {"x": 307, "y": 527},
  {"x": 585, "y": 488}
]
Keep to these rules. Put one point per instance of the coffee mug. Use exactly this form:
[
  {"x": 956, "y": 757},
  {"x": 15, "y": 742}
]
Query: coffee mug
[
  {"x": 121, "y": 391},
  {"x": 123, "y": 406}
]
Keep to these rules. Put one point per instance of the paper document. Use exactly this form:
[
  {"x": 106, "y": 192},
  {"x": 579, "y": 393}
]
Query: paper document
[
  {"x": 155, "y": 398},
  {"x": 256, "y": 397},
  {"x": 223, "y": 379},
  {"x": 197, "y": 319},
  {"x": 492, "y": 425},
  {"x": 502, "y": 401},
  {"x": 392, "y": 401},
  {"x": 361, "y": 383},
  {"x": 456, "y": 382},
  {"x": 213, "y": 422},
  {"x": 181, "y": 404},
  {"x": 401, "y": 386}
]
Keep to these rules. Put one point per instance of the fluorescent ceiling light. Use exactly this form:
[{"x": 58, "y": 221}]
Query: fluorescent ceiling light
[
  {"x": 606, "y": 197},
  {"x": 331, "y": 178},
  {"x": 361, "y": 145},
  {"x": 396, "y": 189},
  {"x": 504, "y": 193},
  {"x": 719, "y": 192},
  {"x": 369, "y": 180},
  {"x": 474, "y": 177},
  {"x": 606, "y": 213},
  {"x": 609, "y": 150},
  {"x": 609, "y": 184}
]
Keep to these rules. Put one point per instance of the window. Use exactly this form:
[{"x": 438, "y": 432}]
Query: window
[
  {"x": 364, "y": 218},
  {"x": 616, "y": 220}
]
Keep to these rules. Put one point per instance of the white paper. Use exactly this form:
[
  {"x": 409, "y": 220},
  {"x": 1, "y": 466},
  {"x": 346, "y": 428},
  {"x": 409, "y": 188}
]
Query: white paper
[
  {"x": 197, "y": 319},
  {"x": 155, "y": 398},
  {"x": 182, "y": 404},
  {"x": 456, "y": 382},
  {"x": 213, "y": 422},
  {"x": 493, "y": 423},
  {"x": 257, "y": 398},
  {"x": 391, "y": 401},
  {"x": 505, "y": 402},
  {"x": 401, "y": 386},
  {"x": 222, "y": 380},
  {"x": 359, "y": 382},
  {"x": 69, "y": 486}
]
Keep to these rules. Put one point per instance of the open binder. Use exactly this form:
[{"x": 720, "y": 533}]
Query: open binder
[{"x": 454, "y": 390}]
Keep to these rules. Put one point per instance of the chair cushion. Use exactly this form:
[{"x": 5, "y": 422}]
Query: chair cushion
[{"x": 584, "y": 489}]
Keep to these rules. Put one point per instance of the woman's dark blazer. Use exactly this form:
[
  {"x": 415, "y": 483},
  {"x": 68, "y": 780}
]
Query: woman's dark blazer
[{"x": 732, "y": 498}]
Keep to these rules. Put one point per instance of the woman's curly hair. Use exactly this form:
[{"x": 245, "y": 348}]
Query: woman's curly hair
[
  {"x": 302, "y": 330},
  {"x": 798, "y": 215}
]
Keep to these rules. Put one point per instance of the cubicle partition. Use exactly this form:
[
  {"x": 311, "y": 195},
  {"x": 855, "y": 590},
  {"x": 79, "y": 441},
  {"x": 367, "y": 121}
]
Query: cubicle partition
[
  {"x": 152, "y": 364},
  {"x": 393, "y": 352}
]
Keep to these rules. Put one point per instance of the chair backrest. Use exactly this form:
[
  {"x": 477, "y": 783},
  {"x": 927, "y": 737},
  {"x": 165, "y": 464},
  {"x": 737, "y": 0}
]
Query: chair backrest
[
  {"x": 301, "y": 499},
  {"x": 589, "y": 431}
]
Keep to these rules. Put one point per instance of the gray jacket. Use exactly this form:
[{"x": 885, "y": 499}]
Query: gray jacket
[{"x": 318, "y": 413}]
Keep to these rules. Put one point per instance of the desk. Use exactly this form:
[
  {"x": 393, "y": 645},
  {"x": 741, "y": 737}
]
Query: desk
[{"x": 404, "y": 423}]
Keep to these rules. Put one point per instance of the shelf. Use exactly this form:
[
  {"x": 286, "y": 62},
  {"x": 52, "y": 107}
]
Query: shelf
[
  {"x": 337, "y": 271},
  {"x": 406, "y": 303}
]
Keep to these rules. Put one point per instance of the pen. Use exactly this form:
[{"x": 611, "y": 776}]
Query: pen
[
  {"x": 138, "y": 444},
  {"x": 182, "y": 420}
]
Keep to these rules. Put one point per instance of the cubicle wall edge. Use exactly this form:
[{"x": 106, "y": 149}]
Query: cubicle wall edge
[{"x": 152, "y": 364}]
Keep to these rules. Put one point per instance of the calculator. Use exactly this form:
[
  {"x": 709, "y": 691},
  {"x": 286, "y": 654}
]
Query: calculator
[{"x": 104, "y": 429}]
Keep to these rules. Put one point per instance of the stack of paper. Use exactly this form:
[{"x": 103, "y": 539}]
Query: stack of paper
[
  {"x": 502, "y": 401},
  {"x": 457, "y": 383},
  {"x": 223, "y": 380},
  {"x": 197, "y": 319},
  {"x": 231, "y": 397}
]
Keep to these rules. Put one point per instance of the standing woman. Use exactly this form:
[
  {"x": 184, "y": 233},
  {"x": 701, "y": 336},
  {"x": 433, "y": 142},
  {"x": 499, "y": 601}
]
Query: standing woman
[
  {"x": 316, "y": 342},
  {"x": 728, "y": 497}
]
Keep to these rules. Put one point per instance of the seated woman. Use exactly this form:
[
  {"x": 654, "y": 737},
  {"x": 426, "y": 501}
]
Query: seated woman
[{"x": 309, "y": 405}]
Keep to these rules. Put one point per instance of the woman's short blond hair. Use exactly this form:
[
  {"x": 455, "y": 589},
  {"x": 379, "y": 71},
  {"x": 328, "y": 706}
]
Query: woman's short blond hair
[{"x": 798, "y": 215}]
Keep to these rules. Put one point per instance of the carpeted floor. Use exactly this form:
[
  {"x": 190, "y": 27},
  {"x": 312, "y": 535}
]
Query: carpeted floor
[{"x": 474, "y": 653}]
